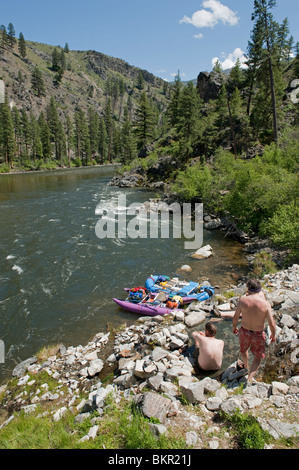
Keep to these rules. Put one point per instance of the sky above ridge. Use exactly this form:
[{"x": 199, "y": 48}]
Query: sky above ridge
[{"x": 162, "y": 36}]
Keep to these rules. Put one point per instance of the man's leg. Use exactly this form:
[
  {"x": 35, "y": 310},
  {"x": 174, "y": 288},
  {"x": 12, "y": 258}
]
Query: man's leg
[
  {"x": 244, "y": 357},
  {"x": 254, "y": 367}
]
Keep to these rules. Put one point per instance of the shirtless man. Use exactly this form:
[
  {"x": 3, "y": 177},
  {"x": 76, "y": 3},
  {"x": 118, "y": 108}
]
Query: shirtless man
[
  {"x": 255, "y": 309},
  {"x": 210, "y": 349}
]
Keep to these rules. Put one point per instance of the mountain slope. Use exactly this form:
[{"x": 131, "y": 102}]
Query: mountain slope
[{"x": 84, "y": 82}]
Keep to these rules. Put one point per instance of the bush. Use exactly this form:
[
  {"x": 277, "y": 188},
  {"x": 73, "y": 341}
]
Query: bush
[
  {"x": 283, "y": 228},
  {"x": 249, "y": 433},
  {"x": 194, "y": 183}
]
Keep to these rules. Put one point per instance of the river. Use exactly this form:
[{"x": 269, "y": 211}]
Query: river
[{"x": 57, "y": 278}]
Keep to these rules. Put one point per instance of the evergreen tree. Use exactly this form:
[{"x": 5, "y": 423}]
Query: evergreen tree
[
  {"x": 144, "y": 122},
  {"x": 268, "y": 35},
  {"x": 36, "y": 144},
  {"x": 44, "y": 132},
  {"x": 69, "y": 138},
  {"x": 7, "y": 138},
  {"x": 3, "y": 37},
  {"x": 55, "y": 60},
  {"x": 140, "y": 81},
  {"x": 108, "y": 122},
  {"x": 94, "y": 130},
  {"x": 187, "y": 120},
  {"x": 128, "y": 148},
  {"x": 103, "y": 141},
  {"x": 66, "y": 48},
  {"x": 22, "y": 46},
  {"x": 82, "y": 137},
  {"x": 173, "y": 108},
  {"x": 37, "y": 82},
  {"x": 11, "y": 35}
]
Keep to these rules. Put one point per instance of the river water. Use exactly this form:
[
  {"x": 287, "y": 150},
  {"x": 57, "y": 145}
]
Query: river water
[{"x": 57, "y": 278}]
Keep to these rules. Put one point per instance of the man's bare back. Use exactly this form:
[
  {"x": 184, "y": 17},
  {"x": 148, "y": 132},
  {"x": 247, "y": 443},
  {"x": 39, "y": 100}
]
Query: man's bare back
[
  {"x": 210, "y": 350},
  {"x": 255, "y": 309}
]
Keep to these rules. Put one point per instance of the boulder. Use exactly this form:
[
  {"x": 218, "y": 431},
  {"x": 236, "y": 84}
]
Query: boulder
[
  {"x": 195, "y": 318},
  {"x": 204, "y": 252},
  {"x": 21, "y": 368},
  {"x": 154, "y": 405}
]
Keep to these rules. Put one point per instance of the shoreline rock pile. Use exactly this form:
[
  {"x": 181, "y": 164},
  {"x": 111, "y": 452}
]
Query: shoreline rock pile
[{"x": 149, "y": 363}]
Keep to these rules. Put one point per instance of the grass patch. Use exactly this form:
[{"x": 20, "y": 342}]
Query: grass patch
[
  {"x": 121, "y": 426},
  {"x": 248, "y": 431}
]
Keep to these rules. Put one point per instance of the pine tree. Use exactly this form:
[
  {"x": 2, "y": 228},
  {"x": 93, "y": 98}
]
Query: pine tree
[
  {"x": 37, "y": 82},
  {"x": 44, "y": 132},
  {"x": 69, "y": 138},
  {"x": 22, "y": 46},
  {"x": 108, "y": 122},
  {"x": 103, "y": 141},
  {"x": 173, "y": 108},
  {"x": 140, "y": 81},
  {"x": 55, "y": 60},
  {"x": 7, "y": 138},
  {"x": 3, "y": 37},
  {"x": 11, "y": 35},
  {"x": 82, "y": 137},
  {"x": 94, "y": 130},
  {"x": 26, "y": 135},
  {"x": 144, "y": 122},
  {"x": 36, "y": 144},
  {"x": 187, "y": 120},
  {"x": 268, "y": 35},
  {"x": 128, "y": 148}
]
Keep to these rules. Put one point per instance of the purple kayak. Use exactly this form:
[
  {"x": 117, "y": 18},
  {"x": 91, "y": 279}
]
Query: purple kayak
[{"x": 143, "y": 308}]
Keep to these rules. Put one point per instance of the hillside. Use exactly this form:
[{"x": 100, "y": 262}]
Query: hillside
[{"x": 83, "y": 84}]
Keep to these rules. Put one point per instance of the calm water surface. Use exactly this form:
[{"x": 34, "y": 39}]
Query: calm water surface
[{"x": 57, "y": 279}]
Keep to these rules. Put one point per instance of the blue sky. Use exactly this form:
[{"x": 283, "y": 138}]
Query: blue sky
[{"x": 161, "y": 36}]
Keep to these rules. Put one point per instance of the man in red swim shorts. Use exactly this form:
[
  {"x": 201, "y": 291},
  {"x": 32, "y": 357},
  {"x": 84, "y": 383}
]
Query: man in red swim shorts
[{"x": 255, "y": 309}]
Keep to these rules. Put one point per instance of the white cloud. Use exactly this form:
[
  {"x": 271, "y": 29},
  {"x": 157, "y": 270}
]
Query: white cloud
[
  {"x": 208, "y": 19},
  {"x": 229, "y": 61},
  {"x": 198, "y": 36},
  {"x": 182, "y": 74}
]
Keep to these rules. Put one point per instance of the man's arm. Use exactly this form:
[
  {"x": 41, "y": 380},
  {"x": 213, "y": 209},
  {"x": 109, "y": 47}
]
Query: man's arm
[
  {"x": 236, "y": 318},
  {"x": 271, "y": 324}
]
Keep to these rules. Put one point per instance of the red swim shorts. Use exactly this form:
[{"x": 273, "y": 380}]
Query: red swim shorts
[{"x": 255, "y": 340}]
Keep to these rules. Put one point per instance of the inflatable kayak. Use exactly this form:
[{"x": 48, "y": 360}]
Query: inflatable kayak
[{"x": 143, "y": 308}]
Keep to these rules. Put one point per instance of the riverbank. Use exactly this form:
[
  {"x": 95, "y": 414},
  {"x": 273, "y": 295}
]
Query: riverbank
[
  {"x": 148, "y": 365},
  {"x": 54, "y": 168}
]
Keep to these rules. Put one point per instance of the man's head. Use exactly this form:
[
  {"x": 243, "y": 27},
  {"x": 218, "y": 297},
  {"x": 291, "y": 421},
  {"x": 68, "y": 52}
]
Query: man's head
[
  {"x": 211, "y": 329},
  {"x": 254, "y": 286}
]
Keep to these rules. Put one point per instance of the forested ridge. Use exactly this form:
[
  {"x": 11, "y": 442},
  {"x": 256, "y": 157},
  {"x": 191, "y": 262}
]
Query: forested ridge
[{"x": 235, "y": 150}]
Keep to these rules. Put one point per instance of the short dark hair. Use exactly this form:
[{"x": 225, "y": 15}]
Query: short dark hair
[
  {"x": 211, "y": 328},
  {"x": 254, "y": 285}
]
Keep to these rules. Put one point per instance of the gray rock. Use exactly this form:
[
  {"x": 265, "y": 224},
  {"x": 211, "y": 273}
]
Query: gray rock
[
  {"x": 95, "y": 367},
  {"x": 195, "y": 318},
  {"x": 193, "y": 392},
  {"x": 156, "y": 406},
  {"x": 278, "y": 429},
  {"x": 191, "y": 438},
  {"x": 213, "y": 403},
  {"x": 21, "y": 368},
  {"x": 230, "y": 405}
]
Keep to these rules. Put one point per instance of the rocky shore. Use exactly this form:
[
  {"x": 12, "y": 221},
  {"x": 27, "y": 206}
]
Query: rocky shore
[{"x": 148, "y": 362}]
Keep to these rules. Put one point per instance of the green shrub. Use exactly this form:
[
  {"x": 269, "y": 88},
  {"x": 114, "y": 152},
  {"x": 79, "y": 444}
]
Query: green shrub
[{"x": 248, "y": 431}]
